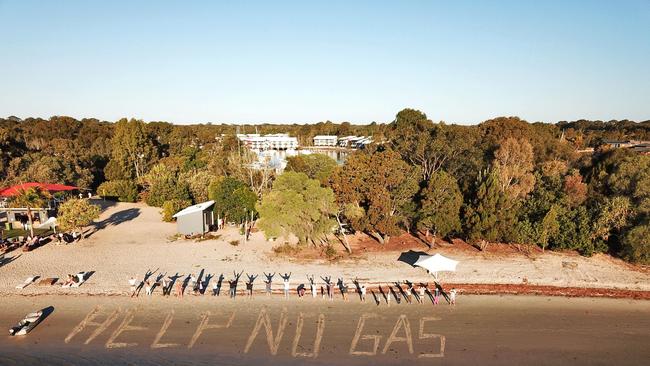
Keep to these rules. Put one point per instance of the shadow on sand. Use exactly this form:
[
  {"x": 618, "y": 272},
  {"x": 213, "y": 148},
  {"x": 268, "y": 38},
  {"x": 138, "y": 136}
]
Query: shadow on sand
[
  {"x": 115, "y": 219},
  {"x": 6, "y": 260},
  {"x": 411, "y": 257}
]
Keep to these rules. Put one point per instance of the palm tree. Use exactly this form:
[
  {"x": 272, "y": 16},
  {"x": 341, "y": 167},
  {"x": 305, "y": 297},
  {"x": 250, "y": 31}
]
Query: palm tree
[{"x": 29, "y": 198}]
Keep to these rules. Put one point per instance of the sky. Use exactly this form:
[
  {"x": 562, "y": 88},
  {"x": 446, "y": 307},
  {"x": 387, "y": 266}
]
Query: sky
[{"x": 309, "y": 61}]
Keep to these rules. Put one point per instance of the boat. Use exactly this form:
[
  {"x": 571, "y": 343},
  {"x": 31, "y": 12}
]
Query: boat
[{"x": 28, "y": 323}]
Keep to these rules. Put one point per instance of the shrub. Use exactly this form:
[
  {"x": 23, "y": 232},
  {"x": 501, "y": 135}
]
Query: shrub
[
  {"x": 330, "y": 252},
  {"x": 286, "y": 249},
  {"x": 122, "y": 190},
  {"x": 171, "y": 207},
  {"x": 636, "y": 244}
]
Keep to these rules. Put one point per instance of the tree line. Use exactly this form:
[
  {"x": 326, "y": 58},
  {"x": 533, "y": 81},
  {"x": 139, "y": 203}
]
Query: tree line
[{"x": 504, "y": 180}]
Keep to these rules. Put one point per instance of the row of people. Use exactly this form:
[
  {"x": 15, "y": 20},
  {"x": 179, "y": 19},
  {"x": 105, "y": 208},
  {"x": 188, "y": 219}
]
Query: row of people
[{"x": 326, "y": 289}]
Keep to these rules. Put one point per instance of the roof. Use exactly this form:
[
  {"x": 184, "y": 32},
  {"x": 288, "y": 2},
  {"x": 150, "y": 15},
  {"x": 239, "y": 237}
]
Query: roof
[
  {"x": 325, "y": 137},
  {"x": 196, "y": 208},
  {"x": 18, "y": 188}
]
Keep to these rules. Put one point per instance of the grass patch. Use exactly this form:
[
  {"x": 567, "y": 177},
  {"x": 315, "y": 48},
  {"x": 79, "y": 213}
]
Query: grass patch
[
  {"x": 20, "y": 232},
  {"x": 174, "y": 237},
  {"x": 286, "y": 249},
  {"x": 330, "y": 252}
]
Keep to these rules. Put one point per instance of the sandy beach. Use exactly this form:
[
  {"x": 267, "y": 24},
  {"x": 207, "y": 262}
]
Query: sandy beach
[
  {"x": 490, "y": 330},
  {"x": 130, "y": 239}
]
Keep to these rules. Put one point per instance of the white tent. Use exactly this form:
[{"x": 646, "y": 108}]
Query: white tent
[{"x": 436, "y": 263}]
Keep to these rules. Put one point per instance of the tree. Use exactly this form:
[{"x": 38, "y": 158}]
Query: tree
[
  {"x": 171, "y": 207},
  {"x": 234, "y": 200},
  {"x": 122, "y": 190},
  {"x": 132, "y": 148},
  {"x": 162, "y": 185},
  {"x": 631, "y": 178},
  {"x": 33, "y": 197},
  {"x": 75, "y": 214},
  {"x": 612, "y": 216},
  {"x": 636, "y": 244},
  {"x": 575, "y": 189},
  {"x": 488, "y": 217},
  {"x": 576, "y": 232},
  {"x": 514, "y": 162},
  {"x": 245, "y": 166},
  {"x": 198, "y": 183},
  {"x": 422, "y": 143},
  {"x": 376, "y": 187},
  {"x": 440, "y": 204},
  {"x": 300, "y": 206},
  {"x": 316, "y": 166},
  {"x": 548, "y": 228}
]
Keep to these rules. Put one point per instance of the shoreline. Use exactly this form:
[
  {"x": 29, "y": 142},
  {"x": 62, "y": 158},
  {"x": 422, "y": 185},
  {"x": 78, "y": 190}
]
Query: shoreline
[{"x": 492, "y": 289}]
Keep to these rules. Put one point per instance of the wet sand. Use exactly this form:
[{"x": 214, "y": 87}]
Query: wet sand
[{"x": 486, "y": 330}]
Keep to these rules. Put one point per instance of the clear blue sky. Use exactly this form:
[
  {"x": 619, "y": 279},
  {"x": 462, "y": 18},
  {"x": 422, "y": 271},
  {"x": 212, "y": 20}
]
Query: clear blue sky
[{"x": 303, "y": 61}]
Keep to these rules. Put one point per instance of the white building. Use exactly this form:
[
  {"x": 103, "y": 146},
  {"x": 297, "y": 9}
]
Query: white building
[
  {"x": 355, "y": 142},
  {"x": 279, "y": 141},
  {"x": 325, "y": 140}
]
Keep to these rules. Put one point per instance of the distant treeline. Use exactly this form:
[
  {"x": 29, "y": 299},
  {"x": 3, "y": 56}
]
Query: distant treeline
[
  {"x": 503, "y": 180},
  {"x": 63, "y": 149}
]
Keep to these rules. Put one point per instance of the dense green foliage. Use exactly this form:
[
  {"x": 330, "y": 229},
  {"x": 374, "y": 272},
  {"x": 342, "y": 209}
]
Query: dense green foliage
[
  {"x": 440, "y": 204},
  {"x": 171, "y": 207},
  {"x": 76, "y": 213},
  {"x": 316, "y": 166},
  {"x": 297, "y": 205},
  {"x": 503, "y": 180},
  {"x": 122, "y": 190},
  {"x": 234, "y": 201},
  {"x": 378, "y": 190}
]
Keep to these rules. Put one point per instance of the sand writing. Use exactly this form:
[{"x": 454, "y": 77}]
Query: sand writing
[
  {"x": 366, "y": 340},
  {"x": 263, "y": 320},
  {"x": 401, "y": 326},
  {"x": 125, "y": 326},
  {"x": 89, "y": 321},
  {"x": 156, "y": 342},
  {"x": 205, "y": 325},
  {"x": 320, "y": 327}
]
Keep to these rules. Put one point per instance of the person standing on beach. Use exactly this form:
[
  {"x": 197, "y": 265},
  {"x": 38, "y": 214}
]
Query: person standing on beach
[
  {"x": 363, "y": 293},
  {"x": 233, "y": 284},
  {"x": 132, "y": 282},
  {"x": 285, "y": 281},
  {"x": 268, "y": 282},
  {"x": 312, "y": 286},
  {"x": 452, "y": 297},
  {"x": 179, "y": 289},
  {"x": 328, "y": 286},
  {"x": 249, "y": 285},
  {"x": 344, "y": 289}
]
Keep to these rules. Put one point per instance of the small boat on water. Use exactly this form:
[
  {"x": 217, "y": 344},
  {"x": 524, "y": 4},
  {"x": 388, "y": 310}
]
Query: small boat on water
[{"x": 28, "y": 323}]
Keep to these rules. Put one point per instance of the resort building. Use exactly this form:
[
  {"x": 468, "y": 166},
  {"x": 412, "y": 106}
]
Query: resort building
[
  {"x": 278, "y": 141},
  {"x": 641, "y": 147},
  {"x": 325, "y": 140},
  {"x": 355, "y": 142}
]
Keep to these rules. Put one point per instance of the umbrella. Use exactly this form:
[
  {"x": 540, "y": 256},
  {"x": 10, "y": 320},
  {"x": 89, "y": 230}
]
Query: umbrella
[{"x": 436, "y": 263}]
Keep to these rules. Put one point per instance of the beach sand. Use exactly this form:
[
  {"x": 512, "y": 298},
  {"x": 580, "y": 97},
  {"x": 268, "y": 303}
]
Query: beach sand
[
  {"x": 486, "y": 330},
  {"x": 130, "y": 239}
]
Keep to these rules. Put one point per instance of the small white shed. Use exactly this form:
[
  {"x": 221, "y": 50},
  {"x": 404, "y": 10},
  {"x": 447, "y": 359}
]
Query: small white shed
[{"x": 195, "y": 219}]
